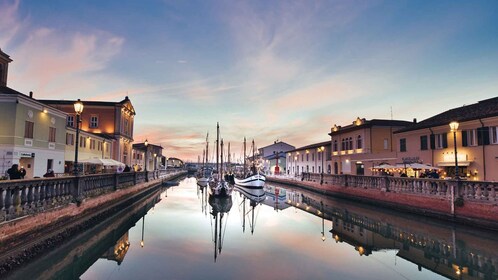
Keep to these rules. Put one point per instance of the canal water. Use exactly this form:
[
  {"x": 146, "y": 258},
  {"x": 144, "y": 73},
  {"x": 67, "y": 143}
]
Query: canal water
[{"x": 179, "y": 233}]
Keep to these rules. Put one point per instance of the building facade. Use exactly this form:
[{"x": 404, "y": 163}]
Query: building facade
[
  {"x": 313, "y": 158},
  {"x": 432, "y": 142},
  {"x": 114, "y": 120},
  {"x": 275, "y": 155},
  {"x": 357, "y": 147},
  {"x": 150, "y": 156}
]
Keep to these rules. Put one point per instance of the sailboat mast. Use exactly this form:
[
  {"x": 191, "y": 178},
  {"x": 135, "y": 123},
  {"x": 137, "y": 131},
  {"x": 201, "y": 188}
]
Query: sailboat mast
[
  {"x": 228, "y": 166},
  {"x": 217, "y": 151},
  {"x": 207, "y": 148},
  {"x": 221, "y": 159},
  {"x": 253, "y": 159},
  {"x": 245, "y": 168}
]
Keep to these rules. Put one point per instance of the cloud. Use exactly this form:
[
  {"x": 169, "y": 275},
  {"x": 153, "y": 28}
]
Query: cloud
[{"x": 10, "y": 25}]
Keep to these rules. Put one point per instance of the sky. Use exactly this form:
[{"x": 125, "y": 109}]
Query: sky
[{"x": 265, "y": 70}]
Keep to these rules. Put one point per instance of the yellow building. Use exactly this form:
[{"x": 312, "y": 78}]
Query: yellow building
[{"x": 357, "y": 147}]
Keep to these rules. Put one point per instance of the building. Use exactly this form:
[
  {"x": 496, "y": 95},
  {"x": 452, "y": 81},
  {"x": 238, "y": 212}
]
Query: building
[
  {"x": 173, "y": 162},
  {"x": 150, "y": 156},
  {"x": 357, "y": 147},
  {"x": 110, "y": 120},
  {"x": 32, "y": 134},
  {"x": 91, "y": 146},
  {"x": 274, "y": 153},
  {"x": 311, "y": 158},
  {"x": 431, "y": 141}
]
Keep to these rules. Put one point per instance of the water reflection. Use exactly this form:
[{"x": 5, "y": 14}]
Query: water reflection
[
  {"x": 450, "y": 250},
  {"x": 303, "y": 234}
]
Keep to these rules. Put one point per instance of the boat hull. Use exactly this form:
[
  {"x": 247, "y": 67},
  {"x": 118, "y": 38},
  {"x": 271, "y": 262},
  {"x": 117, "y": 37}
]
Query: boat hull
[{"x": 253, "y": 181}]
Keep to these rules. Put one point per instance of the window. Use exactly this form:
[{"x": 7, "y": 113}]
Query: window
[
  {"x": 92, "y": 144},
  {"x": 126, "y": 127},
  {"x": 441, "y": 141},
  {"x": 307, "y": 157},
  {"x": 469, "y": 138},
  {"x": 359, "y": 142},
  {"x": 335, "y": 146},
  {"x": 423, "y": 143},
  {"x": 69, "y": 139},
  {"x": 70, "y": 121},
  {"x": 82, "y": 142},
  {"x": 386, "y": 144},
  {"x": 483, "y": 136},
  {"x": 402, "y": 145},
  {"x": 302, "y": 157},
  {"x": 343, "y": 145},
  {"x": 350, "y": 143},
  {"x": 28, "y": 129},
  {"x": 320, "y": 156},
  {"x": 94, "y": 121},
  {"x": 51, "y": 134},
  {"x": 313, "y": 157},
  {"x": 494, "y": 134}
]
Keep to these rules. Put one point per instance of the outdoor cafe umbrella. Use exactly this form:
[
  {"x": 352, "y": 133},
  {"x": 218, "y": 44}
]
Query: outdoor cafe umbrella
[{"x": 103, "y": 161}]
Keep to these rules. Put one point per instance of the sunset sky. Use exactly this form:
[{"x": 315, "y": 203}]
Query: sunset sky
[{"x": 267, "y": 70}]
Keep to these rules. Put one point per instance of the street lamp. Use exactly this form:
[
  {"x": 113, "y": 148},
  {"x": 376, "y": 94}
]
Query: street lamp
[
  {"x": 454, "y": 127},
  {"x": 321, "y": 149},
  {"x": 146, "y": 143},
  {"x": 78, "y": 108}
]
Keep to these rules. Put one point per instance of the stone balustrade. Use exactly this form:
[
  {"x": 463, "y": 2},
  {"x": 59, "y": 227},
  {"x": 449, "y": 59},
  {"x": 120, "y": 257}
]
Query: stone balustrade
[
  {"x": 19, "y": 198},
  {"x": 446, "y": 189}
]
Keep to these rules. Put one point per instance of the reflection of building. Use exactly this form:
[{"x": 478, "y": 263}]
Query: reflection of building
[
  {"x": 276, "y": 197},
  {"x": 119, "y": 250},
  {"x": 430, "y": 141},
  {"x": 364, "y": 143},
  {"x": 309, "y": 159},
  {"x": 443, "y": 249}
]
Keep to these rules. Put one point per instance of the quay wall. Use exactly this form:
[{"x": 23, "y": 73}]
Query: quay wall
[
  {"x": 472, "y": 203},
  {"x": 57, "y": 214}
]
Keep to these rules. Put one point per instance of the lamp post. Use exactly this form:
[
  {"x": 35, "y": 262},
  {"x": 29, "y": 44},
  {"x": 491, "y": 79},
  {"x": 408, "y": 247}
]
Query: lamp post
[
  {"x": 78, "y": 108},
  {"x": 146, "y": 143},
  {"x": 321, "y": 150},
  {"x": 454, "y": 127}
]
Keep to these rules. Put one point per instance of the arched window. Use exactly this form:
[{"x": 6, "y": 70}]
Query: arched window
[
  {"x": 359, "y": 142},
  {"x": 343, "y": 144},
  {"x": 328, "y": 170},
  {"x": 350, "y": 143},
  {"x": 335, "y": 145}
]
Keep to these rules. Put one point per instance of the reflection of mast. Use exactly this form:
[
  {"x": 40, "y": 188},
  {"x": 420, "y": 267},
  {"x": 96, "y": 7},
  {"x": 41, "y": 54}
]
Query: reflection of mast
[
  {"x": 323, "y": 221},
  {"x": 143, "y": 227},
  {"x": 220, "y": 206}
]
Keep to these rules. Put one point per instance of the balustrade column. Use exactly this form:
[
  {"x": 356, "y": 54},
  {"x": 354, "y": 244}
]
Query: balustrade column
[{"x": 16, "y": 200}]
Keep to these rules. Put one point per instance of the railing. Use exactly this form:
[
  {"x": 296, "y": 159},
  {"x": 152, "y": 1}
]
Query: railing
[
  {"x": 19, "y": 198},
  {"x": 468, "y": 190}
]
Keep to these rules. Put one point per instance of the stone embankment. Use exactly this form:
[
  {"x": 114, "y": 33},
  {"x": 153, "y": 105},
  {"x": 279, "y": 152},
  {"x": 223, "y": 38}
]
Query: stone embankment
[
  {"x": 52, "y": 222},
  {"x": 468, "y": 202}
]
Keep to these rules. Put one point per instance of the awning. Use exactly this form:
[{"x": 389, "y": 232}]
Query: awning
[
  {"x": 452, "y": 163},
  {"x": 103, "y": 161}
]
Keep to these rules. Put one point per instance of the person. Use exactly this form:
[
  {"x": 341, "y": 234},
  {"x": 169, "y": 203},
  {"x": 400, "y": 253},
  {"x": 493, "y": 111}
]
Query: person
[
  {"x": 14, "y": 172},
  {"x": 50, "y": 173},
  {"x": 403, "y": 175},
  {"x": 126, "y": 169},
  {"x": 23, "y": 172}
]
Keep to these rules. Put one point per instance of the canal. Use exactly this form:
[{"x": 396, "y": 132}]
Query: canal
[{"x": 179, "y": 233}]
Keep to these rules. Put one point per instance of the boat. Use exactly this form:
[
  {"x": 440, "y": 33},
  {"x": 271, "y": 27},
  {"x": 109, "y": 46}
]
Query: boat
[
  {"x": 254, "y": 178},
  {"x": 218, "y": 185},
  {"x": 255, "y": 197}
]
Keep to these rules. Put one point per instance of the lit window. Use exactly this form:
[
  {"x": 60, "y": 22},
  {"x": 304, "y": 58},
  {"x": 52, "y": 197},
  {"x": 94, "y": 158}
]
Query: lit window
[
  {"x": 494, "y": 134},
  {"x": 70, "y": 139}
]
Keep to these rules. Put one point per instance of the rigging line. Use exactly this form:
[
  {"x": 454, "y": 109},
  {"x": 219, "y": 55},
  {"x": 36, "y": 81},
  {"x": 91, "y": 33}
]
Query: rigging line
[
  {"x": 224, "y": 230},
  {"x": 394, "y": 270}
]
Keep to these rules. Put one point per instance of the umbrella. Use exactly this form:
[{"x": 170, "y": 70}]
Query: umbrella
[
  {"x": 384, "y": 166},
  {"x": 103, "y": 161},
  {"x": 417, "y": 165}
]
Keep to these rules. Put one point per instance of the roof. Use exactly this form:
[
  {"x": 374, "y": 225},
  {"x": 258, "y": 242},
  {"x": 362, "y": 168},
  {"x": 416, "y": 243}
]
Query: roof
[
  {"x": 141, "y": 146},
  {"x": 312, "y": 146},
  {"x": 274, "y": 156},
  {"x": 370, "y": 123},
  {"x": 8, "y": 90},
  {"x": 482, "y": 109},
  {"x": 5, "y": 56},
  {"x": 85, "y": 102}
]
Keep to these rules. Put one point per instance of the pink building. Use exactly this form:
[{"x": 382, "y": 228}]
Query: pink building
[{"x": 431, "y": 141}]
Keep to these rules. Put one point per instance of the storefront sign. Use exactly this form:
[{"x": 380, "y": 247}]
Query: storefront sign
[{"x": 27, "y": 155}]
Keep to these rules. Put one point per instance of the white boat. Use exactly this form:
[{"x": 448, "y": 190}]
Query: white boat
[{"x": 253, "y": 179}]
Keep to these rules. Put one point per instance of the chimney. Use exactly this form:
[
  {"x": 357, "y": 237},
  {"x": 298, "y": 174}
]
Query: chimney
[
  {"x": 30, "y": 94},
  {"x": 414, "y": 120}
]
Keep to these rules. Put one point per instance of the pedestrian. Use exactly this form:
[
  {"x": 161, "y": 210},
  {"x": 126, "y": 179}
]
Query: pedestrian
[
  {"x": 14, "y": 172},
  {"x": 23, "y": 172},
  {"x": 50, "y": 173},
  {"x": 126, "y": 169}
]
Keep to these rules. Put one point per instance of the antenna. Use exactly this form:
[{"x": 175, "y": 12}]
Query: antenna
[{"x": 391, "y": 113}]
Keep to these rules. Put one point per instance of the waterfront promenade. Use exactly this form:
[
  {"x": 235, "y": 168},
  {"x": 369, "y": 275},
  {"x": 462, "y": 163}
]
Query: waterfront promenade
[{"x": 468, "y": 202}]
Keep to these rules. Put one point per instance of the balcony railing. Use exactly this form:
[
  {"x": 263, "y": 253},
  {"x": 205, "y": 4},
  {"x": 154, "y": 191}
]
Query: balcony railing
[
  {"x": 19, "y": 198},
  {"x": 468, "y": 190}
]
